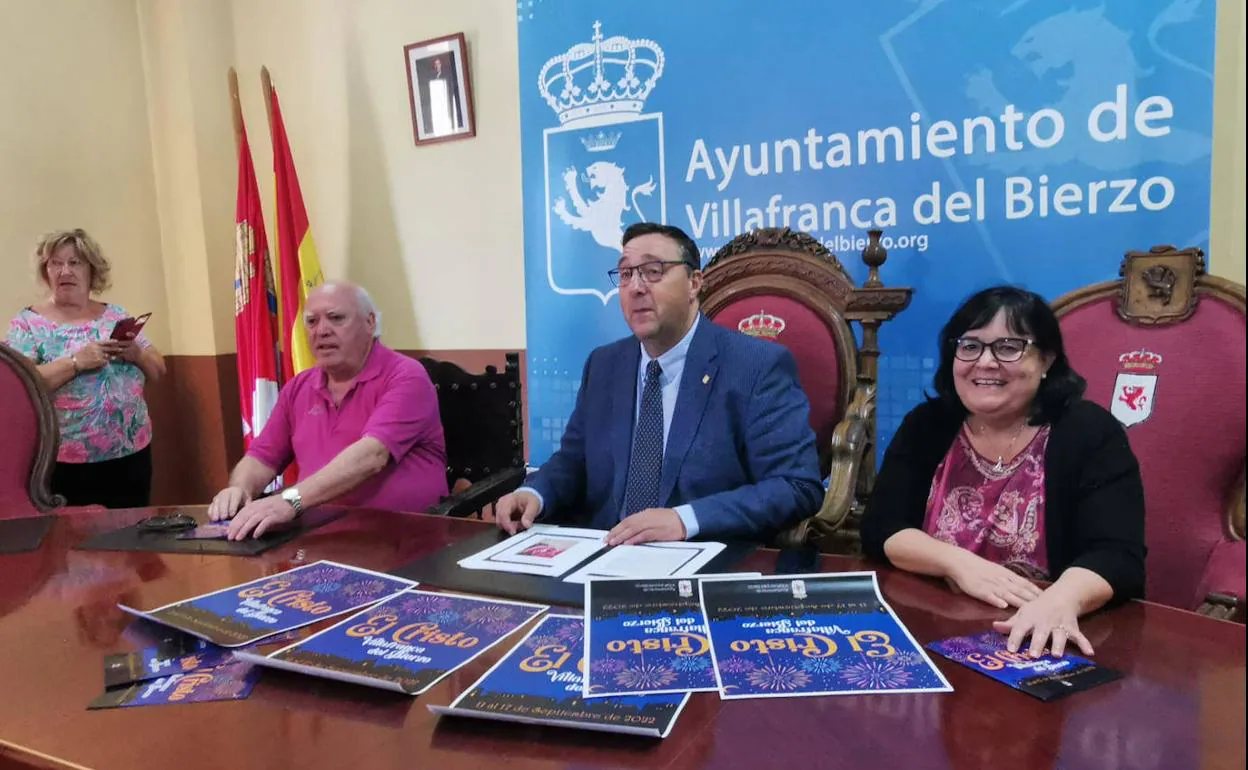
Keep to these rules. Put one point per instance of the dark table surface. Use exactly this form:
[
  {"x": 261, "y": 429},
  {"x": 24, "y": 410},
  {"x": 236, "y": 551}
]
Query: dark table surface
[{"x": 1179, "y": 705}]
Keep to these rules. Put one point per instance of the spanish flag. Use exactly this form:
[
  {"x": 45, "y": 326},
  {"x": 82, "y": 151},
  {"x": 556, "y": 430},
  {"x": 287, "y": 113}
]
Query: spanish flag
[{"x": 298, "y": 268}]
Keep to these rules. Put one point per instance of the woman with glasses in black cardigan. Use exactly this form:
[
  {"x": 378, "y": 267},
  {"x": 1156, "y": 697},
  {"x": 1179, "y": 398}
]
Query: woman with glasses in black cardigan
[{"x": 1008, "y": 478}]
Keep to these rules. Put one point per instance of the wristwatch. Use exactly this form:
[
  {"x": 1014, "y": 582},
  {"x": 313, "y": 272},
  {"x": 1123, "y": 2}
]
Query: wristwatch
[{"x": 292, "y": 496}]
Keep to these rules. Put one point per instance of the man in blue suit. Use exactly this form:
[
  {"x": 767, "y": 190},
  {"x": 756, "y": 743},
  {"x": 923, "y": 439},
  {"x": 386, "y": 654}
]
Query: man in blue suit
[{"x": 684, "y": 429}]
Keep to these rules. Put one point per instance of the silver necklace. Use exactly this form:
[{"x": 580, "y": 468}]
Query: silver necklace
[{"x": 1000, "y": 466}]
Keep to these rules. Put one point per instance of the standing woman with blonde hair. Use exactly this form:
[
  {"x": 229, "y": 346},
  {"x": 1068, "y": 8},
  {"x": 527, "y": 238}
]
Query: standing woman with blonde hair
[{"x": 96, "y": 382}]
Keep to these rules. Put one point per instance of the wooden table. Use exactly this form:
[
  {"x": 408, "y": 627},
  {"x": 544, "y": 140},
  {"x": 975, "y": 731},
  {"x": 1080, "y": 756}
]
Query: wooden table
[{"x": 1180, "y": 705}]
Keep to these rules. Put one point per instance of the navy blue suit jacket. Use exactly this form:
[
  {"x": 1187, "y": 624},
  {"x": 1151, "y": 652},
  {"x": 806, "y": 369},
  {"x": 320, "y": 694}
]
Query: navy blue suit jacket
[{"x": 740, "y": 449}]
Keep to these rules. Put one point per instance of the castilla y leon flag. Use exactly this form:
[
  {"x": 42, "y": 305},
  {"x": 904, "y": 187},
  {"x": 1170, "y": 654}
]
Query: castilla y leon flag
[
  {"x": 298, "y": 268},
  {"x": 255, "y": 306}
]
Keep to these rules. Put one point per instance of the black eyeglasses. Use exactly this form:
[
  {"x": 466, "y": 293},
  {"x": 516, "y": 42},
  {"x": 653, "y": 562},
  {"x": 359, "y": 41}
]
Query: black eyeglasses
[
  {"x": 1007, "y": 350},
  {"x": 174, "y": 523},
  {"x": 650, "y": 272}
]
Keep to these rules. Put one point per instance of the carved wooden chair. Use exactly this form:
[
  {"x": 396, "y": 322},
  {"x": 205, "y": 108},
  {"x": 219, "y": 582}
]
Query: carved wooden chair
[
  {"x": 1163, "y": 350},
  {"x": 483, "y": 422},
  {"x": 31, "y": 439},
  {"x": 783, "y": 285}
]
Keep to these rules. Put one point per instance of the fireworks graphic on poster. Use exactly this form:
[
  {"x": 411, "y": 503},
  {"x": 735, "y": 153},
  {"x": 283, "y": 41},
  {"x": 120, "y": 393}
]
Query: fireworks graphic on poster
[
  {"x": 736, "y": 665},
  {"x": 645, "y": 676},
  {"x": 876, "y": 674},
  {"x": 491, "y": 617},
  {"x": 778, "y": 678},
  {"x": 691, "y": 664}
]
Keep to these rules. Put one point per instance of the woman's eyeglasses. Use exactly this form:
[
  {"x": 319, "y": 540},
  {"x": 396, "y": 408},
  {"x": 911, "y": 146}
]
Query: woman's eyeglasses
[
  {"x": 175, "y": 523},
  {"x": 1007, "y": 350}
]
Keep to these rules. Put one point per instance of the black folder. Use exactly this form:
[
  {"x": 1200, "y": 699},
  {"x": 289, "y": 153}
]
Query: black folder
[
  {"x": 134, "y": 539},
  {"x": 441, "y": 569}
]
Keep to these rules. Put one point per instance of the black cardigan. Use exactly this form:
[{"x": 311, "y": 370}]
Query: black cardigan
[{"x": 1094, "y": 498}]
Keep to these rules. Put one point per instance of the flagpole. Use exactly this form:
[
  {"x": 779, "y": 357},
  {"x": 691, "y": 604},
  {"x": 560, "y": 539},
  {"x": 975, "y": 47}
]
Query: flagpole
[
  {"x": 267, "y": 84},
  {"x": 266, "y": 87},
  {"x": 236, "y": 107}
]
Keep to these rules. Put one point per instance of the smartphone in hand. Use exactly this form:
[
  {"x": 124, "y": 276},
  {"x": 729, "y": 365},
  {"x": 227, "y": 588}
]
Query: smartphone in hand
[{"x": 129, "y": 328}]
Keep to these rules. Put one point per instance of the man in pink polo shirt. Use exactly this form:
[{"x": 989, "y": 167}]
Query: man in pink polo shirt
[{"x": 362, "y": 425}]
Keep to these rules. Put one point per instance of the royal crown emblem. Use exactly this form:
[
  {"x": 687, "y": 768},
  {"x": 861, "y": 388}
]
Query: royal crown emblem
[
  {"x": 601, "y": 141},
  {"x": 762, "y": 324},
  {"x": 611, "y": 76},
  {"x": 1140, "y": 360}
]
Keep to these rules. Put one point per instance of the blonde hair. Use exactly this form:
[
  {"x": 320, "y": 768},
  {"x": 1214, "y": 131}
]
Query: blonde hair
[{"x": 85, "y": 247}]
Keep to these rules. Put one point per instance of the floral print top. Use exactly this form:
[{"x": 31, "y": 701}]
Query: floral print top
[
  {"x": 997, "y": 513},
  {"x": 102, "y": 414}
]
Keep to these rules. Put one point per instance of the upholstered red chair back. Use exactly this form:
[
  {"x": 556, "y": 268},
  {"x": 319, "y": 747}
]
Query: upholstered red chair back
[
  {"x": 822, "y": 346},
  {"x": 30, "y": 438},
  {"x": 1164, "y": 350},
  {"x": 786, "y": 287}
]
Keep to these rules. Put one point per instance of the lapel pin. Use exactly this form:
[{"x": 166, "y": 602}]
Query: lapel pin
[{"x": 706, "y": 378}]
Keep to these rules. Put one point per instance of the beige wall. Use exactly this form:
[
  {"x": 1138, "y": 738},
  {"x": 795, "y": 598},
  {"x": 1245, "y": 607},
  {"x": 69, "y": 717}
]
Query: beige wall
[
  {"x": 187, "y": 47},
  {"x": 418, "y": 226},
  {"x": 1226, "y": 238},
  {"x": 75, "y": 149},
  {"x": 129, "y": 136}
]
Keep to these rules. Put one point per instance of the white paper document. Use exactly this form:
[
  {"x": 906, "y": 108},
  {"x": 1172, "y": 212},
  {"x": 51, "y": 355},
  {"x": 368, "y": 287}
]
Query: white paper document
[
  {"x": 542, "y": 550},
  {"x": 650, "y": 560}
]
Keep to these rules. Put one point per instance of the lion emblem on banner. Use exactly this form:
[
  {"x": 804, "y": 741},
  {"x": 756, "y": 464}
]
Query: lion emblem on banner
[
  {"x": 603, "y": 216},
  {"x": 605, "y": 159}
]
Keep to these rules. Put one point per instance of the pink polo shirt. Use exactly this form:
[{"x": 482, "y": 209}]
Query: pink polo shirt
[{"x": 393, "y": 401}]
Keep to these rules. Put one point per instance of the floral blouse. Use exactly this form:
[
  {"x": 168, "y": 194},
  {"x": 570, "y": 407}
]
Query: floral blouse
[
  {"x": 995, "y": 513},
  {"x": 102, "y": 413}
]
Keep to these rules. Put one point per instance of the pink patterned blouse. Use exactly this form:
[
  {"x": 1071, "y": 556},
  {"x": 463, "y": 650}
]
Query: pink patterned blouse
[
  {"x": 997, "y": 515},
  {"x": 102, "y": 413}
]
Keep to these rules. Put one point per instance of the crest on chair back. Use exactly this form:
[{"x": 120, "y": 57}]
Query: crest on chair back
[
  {"x": 1158, "y": 285},
  {"x": 762, "y": 325},
  {"x": 1135, "y": 388}
]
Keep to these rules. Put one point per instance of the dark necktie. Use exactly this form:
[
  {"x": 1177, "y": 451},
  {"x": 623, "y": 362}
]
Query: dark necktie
[{"x": 645, "y": 466}]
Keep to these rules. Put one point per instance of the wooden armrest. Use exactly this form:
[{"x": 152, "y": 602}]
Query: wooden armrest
[
  {"x": 1223, "y": 607},
  {"x": 846, "y": 449},
  {"x": 480, "y": 494}
]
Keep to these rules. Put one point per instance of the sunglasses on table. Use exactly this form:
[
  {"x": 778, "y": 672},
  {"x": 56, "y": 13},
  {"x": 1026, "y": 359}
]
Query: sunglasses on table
[
  {"x": 176, "y": 522},
  {"x": 1007, "y": 350}
]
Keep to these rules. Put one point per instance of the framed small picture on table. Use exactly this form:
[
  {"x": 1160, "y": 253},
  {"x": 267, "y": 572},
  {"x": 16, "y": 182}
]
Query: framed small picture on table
[{"x": 439, "y": 89}]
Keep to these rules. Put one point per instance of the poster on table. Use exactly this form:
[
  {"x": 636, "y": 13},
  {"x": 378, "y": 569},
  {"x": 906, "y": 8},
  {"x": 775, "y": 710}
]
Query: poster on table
[{"x": 817, "y": 634}]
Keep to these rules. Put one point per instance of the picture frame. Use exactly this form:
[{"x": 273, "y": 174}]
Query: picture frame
[{"x": 439, "y": 89}]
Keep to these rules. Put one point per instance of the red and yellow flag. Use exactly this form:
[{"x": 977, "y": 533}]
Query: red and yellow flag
[
  {"x": 298, "y": 268},
  {"x": 255, "y": 306}
]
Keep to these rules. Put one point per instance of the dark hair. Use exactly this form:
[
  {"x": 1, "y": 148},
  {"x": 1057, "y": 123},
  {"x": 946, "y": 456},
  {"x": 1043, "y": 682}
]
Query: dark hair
[
  {"x": 688, "y": 249},
  {"x": 1026, "y": 313}
]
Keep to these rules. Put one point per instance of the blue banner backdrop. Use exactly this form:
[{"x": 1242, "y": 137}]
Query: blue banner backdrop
[{"x": 994, "y": 141}]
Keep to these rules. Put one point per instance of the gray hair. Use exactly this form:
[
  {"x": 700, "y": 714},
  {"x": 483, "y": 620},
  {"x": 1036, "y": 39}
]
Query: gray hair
[
  {"x": 367, "y": 306},
  {"x": 363, "y": 302}
]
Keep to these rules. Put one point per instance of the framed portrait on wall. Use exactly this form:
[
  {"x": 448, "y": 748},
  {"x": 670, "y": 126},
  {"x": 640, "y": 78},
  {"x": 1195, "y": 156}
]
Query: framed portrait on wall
[{"x": 439, "y": 88}]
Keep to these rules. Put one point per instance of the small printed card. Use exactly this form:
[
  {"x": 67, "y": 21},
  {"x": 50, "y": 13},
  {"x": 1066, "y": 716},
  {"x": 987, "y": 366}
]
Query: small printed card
[
  {"x": 180, "y": 655},
  {"x": 541, "y": 550},
  {"x": 649, "y": 560},
  {"x": 407, "y": 643},
  {"x": 173, "y": 653},
  {"x": 539, "y": 682},
  {"x": 644, "y": 637},
  {"x": 1045, "y": 677},
  {"x": 247, "y": 613},
  {"x": 232, "y": 680},
  {"x": 801, "y": 635}
]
